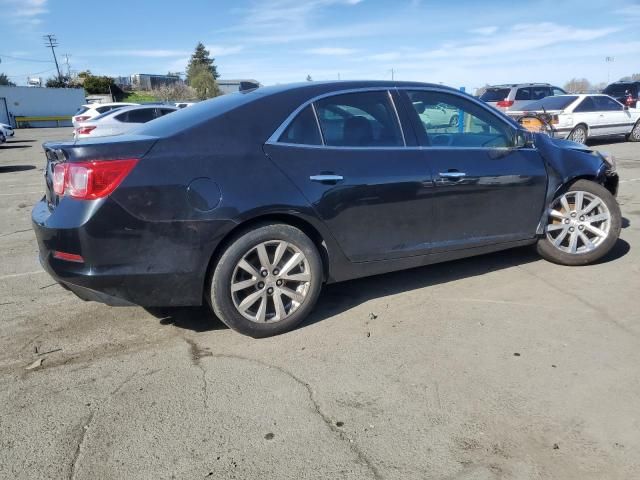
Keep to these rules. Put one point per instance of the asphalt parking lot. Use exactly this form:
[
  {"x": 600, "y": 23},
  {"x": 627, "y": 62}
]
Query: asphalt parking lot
[{"x": 496, "y": 367}]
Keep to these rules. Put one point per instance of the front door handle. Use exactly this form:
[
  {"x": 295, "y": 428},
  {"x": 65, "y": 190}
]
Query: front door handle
[
  {"x": 326, "y": 178},
  {"x": 452, "y": 174}
]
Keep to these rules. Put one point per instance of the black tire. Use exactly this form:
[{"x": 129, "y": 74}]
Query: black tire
[
  {"x": 634, "y": 136},
  {"x": 554, "y": 254},
  {"x": 2, "y": 138},
  {"x": 220, "y": 295},
  {"x": 453, "y": 122},
  {"x": 579, "y": 134}
]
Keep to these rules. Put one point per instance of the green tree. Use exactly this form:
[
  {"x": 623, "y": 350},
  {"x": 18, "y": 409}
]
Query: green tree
[
  {"x": 98, "y": 85},
  {"x": 200, "y": 59},
  {"x": 204, "y": 83},
  {"x": 57, "y": 82},
  {"x": 4, "y": 80}
]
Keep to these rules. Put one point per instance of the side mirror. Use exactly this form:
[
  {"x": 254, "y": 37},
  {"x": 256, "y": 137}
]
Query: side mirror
[{"x": 523, "y": 139}]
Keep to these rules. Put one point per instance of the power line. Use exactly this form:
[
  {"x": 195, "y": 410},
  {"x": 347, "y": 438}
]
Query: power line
[
  {"x": 52, "y": 43},
  {"x": 30, "y": 74},
  {"x": 22, "y": 59}
]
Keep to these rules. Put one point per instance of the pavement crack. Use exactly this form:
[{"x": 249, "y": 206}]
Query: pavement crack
[
  {"x": 14, "y": 232},
  {"x": 196, "y": 354},
  {"x": 76, "y": 454}
]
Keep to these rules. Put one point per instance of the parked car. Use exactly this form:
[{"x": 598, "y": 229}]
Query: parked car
[
  {"x": 437, "y": 115},
  {"x": 6, "y": 131},
  {"x": 627, "y": 93},
  {"x": 121, "y": 120},
  {"x": 184, "y": 104},
  {"x": 514, "y": 96},
  {"x": 581, "y": 117},
  {"x": 92, "y": 110},
  {"x": 251, "y": 202}
]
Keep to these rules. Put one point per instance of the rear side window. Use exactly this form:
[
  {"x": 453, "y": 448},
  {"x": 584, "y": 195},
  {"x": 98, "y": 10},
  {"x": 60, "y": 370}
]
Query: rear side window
[
  {"x": 364, "y": 119},
  {"x": 587, "y": 105},
  {"x": 523, "y": 94},
  {"x": 551, "y": 103},
  {"x": 303, "y": 130},
  {"x": 538, "y": 93},
  {"x": 558, "y": 91},
  {"x": 142, "y": 115},
  {"x": 495, "y": 94},
  {"x": 165, "y": 111}
]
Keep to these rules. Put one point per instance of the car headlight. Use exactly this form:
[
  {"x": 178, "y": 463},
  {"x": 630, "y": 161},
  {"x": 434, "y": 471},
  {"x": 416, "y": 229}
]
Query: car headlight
[{"x": 609, "y": 159}]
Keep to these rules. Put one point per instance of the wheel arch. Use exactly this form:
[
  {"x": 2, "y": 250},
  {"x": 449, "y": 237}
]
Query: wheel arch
[{"x": 318, "y": 239}]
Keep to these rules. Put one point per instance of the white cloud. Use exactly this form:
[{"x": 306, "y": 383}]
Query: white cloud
[
  {"x": 485, "y": 30},
  {"x": 331, "y": 51},
  {"x": 222, "y": 50},
  {"x": 27, "y": 12},
  {"x": 154, "y": 53}
]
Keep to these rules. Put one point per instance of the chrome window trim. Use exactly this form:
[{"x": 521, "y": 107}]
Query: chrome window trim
[
  {"x": 273, "y": 139},
  {"x": 315, "y": 116}
]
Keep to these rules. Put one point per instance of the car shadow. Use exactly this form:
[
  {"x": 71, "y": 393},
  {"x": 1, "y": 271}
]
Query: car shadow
[
  {"x": 9, "y": 146},
  {"x": 21, "y": 141},
  {"x": 340, "y": 297},
  {"x": 16, "y": 168}
]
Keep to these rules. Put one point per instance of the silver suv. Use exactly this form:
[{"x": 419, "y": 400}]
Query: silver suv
[{"x": 516, "y": 95}]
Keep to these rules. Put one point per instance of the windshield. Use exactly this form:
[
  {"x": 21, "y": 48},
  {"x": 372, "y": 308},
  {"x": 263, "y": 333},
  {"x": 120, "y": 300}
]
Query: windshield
[
  {"x": 559, "y": 102},
  {"x": 495, "y": 94}
]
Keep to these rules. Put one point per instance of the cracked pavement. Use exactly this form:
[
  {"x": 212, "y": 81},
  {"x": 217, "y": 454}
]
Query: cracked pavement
[{"x": 495, "y": 367}]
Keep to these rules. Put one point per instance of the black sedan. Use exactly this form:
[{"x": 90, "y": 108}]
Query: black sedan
[{"x": 251, "y": 201}]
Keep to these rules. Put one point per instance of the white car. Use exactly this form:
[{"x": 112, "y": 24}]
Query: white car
[
  {"x": 581, "y": 117},
  {"x": 92, "y": 110},
  {"x": 6, "y": 131},
  {"x": 439, "y": 115},
  {"x": 122, "y": 120}
]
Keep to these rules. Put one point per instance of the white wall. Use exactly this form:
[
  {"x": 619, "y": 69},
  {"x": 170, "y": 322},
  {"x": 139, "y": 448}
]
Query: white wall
[{"x": 41, "y": 102}]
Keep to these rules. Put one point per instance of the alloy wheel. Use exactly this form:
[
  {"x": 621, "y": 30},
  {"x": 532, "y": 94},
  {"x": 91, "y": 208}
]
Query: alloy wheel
[
  {"x": 270, "y": 282},
  {"x": 578, "y": 222},
  {"x": 635, "y": 133},
  {"x": 579, "y": 135}
]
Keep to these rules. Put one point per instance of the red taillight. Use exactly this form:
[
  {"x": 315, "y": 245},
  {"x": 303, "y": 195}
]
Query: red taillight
[
  {"x": 82, "y": 118},
  {"x": 69, "y": 257},
  {"x": 84, "y": 130},
  {"x": 90, "y": 180},
  {"x": 505, "y": 103}
]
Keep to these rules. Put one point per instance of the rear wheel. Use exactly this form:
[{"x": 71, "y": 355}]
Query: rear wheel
[
  {"x": 578, "y": 134},
  {"x": 634, "y": 136},
  {"x": 266, "y": 281},
  {"x": 453, "y": 122},
  {"x": 583, "y": 225}
]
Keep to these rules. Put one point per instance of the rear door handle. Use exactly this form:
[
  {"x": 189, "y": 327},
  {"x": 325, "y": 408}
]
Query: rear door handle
[
  {"x": 326, "y": 178},
  {"x": 452, "y": 174}
]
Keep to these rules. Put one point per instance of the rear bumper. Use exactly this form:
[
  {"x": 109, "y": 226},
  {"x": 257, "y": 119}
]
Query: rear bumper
[{"x": 126, "y": 261}]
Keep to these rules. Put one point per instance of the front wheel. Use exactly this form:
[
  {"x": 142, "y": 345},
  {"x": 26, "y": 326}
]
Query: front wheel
[
  {"x": 267, "y": 280},
  {"x": 634, "y": 136},
  {"x": 583, "y": 225}
]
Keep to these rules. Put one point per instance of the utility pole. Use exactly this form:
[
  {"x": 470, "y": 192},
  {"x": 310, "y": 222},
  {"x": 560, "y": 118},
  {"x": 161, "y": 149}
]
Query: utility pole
[
  {"x": 392, "y": 74},
  {"x": 66, "y": 61},
  {"x": 609, "y": 60},
  {"x": 52, "y": 43}
]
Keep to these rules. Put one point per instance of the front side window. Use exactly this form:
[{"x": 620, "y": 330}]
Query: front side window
[
  {"x": 303, "y": 130},
  {"x": 363, "y": 119},
  {"x": 606, "y": 104},
  {"x": 453, "y": 121}
]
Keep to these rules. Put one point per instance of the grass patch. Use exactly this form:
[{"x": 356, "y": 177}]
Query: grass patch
[{"x": 139, "y": 97}]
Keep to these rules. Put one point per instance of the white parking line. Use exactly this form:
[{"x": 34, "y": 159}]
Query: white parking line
[
  {"x": 23, "y": 274},
  {"x": 630, "y": 180}
]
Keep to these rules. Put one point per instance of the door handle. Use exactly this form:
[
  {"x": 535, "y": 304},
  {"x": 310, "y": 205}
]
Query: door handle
[
  {"x": 452, "y": 174},
  {"x": 326, "y": 178}
]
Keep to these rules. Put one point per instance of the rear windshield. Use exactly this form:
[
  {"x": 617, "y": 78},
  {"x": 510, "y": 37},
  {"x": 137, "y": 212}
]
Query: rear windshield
[
  {"x": 495, "y": 94},
  {"x": 620, "y": 89},
  {"x": 559, "y": 102},
  {"x": 82, "y": 110}
]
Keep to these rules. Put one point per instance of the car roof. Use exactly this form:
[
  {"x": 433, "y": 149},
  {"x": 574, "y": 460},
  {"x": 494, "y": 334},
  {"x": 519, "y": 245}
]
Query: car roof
[{"x": 514, "y": 85}]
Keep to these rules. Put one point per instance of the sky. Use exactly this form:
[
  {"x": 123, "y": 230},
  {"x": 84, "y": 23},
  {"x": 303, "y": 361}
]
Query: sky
[{"x": 458, "y": 42}]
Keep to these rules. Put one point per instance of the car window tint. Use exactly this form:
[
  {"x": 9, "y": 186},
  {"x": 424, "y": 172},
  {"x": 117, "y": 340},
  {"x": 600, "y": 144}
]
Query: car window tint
[
  {"x": 453, "y": 121},
  {"x": 523, "y": 94},
  {"x": 365, "y": 119},
  {"x": 303, "y": 130},
  {"x": 165, "y": 111},
  {"x": 558, "y": 91},
  {"x": 103, "y": 109},
  {"x": 81, "y": 110},
  {"x": 606, "y": 104},
  {"x": 493, "y": 94},
  {"x": 587, "y": 105},
  {"x": 538, "y": 93},
  {"x": 141, "y": 115}
]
